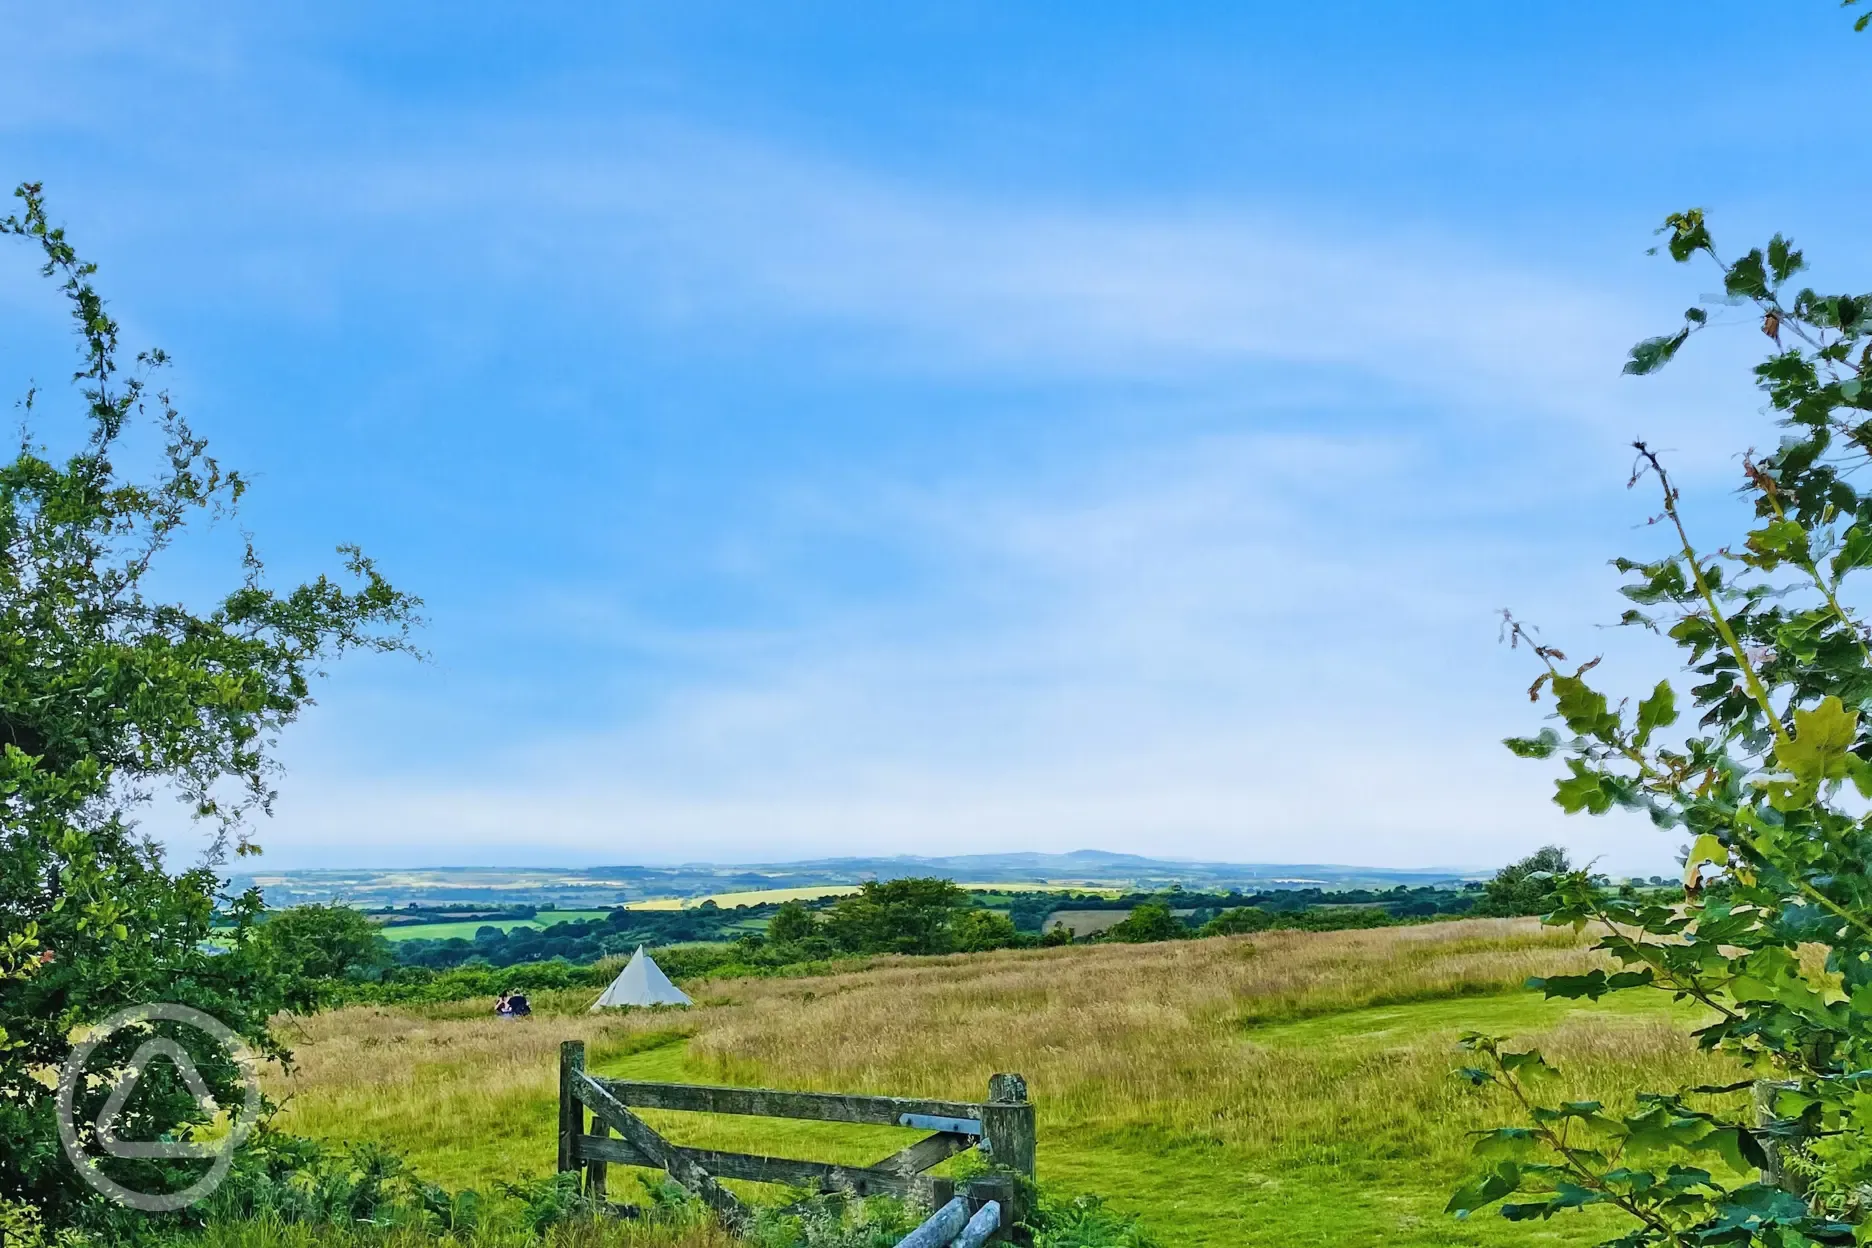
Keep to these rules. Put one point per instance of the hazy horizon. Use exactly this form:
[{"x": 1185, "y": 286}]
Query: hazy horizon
[{"x": 517, "y": 861}]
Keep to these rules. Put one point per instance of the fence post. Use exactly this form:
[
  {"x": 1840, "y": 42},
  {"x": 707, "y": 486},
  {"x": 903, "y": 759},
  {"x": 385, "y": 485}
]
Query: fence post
[
  {"x": 1004, "y": 1190},
  {"x": 596, "y": 1172},
  {"x": 571, "y": 1112},
  {"x": 1008, "y": 1131},
  {"x": 1776, "y": 1173}
]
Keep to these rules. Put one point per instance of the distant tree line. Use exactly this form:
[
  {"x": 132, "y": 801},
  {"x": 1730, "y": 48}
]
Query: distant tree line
[
  {"x": 912, "y": 916},
  {"x": 1401, "y": 902},
  {"x": 419, "y": 914},
  {"x": 921, "y": 916},
  {"x": 580, "y": 940},
  {"x": 332, "y": 953},
  {"x": 1029, "y": 911},
  {"x": 1525, "y": 887}
]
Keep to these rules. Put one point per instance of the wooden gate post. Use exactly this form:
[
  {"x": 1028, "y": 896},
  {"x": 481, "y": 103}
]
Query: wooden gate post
[
  {"x": 1776, "y": 1172},
  {"x": 1002, "y": 1127},
  {"x": 1008, "y": 1125},
  {"x": 1008, "y": 1131},
  {"x": 571, "y": 1112},
  {"x": 1004, "y": 1190},
  {"x": 597, "y": 1172}
]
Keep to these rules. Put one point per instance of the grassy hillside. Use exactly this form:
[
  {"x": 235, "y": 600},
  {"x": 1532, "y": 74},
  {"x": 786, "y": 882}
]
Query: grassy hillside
[{"x": 1245, "y": 1091}]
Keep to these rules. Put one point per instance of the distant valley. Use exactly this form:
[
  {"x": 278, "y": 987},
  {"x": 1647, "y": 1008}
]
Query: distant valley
[{"x": 580, "y": 887}]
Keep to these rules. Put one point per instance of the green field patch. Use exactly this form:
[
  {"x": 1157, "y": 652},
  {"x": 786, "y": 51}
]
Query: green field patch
[
  {"x": 1195, "y": 1193},
  {"x": 1508, "y": 1013},
  {"x": 466, "y": 928}
]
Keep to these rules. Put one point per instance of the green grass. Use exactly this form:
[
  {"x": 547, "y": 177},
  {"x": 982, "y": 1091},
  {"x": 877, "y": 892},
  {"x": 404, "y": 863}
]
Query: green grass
[
  {"x": 1195, "y": 1191},
  {"x": 466, "y": 928},
  {"x": 1446, "y": 1019},
  {"x": 1372, "y": 1185}
]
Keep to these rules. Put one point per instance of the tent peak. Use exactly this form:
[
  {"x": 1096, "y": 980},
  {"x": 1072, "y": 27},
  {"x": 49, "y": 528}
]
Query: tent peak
[{"x": 641, "y": 982}]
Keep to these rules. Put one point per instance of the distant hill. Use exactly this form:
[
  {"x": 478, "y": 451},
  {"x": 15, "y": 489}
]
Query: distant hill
[{"x": 572, "y": 888}]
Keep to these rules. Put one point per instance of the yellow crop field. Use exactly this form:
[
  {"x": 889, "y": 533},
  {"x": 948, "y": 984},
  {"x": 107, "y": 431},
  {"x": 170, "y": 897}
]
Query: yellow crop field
[
  {"x": 813, "y": 892},
  {"x": 753, "y": 897}
]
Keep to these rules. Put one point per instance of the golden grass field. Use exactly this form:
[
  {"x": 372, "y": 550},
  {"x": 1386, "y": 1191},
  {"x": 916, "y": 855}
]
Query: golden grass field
[
  {"x": 751, "y": 897},
  {"x": 1281, "y": 1089},
  {"x": 814, "y": 892}
]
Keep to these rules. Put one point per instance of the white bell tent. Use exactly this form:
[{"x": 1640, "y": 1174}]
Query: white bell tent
[{"x": 642, "y": 982}]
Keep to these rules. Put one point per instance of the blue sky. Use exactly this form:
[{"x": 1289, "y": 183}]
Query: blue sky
[{"x": 833, "y": 428}]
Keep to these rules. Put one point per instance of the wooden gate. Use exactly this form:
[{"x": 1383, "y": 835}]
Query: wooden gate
[{"x": 1001, "y": 1128}]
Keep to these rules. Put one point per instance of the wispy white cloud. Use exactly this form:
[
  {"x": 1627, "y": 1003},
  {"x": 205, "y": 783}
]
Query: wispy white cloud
[
  {"x": 729, "y": 242},
  {"x": 652, "y": 220}
]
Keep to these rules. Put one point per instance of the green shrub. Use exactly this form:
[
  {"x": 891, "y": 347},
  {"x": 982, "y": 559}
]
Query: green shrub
[
  {"x": 21, "y": 1227},
  {"x": 1149, "y": 922},
  {"x": 1527, "y": 886},
  {"x": 976, "y": 931},
  {"x": 1766, "y": 778},
  {"x": 1082, "y": 1222},
  {"x": 309, "y": 949},
  {"x": 1238, "y": 921},
  {"x": 791, "y": 922},
  {"x": 1335, "y": 920},
  {"x": 421, "y": 986},
  {"x": 835, "y": 1222},
  {"x": 898, "y": 916}
]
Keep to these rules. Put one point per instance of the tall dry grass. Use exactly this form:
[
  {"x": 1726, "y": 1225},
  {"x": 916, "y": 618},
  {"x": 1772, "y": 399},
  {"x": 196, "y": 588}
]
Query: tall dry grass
[
  {"x": 1105, "y": 1011},
  {"x": 1176, "y": 1038},
  {"x": 455, "y": 1089}
]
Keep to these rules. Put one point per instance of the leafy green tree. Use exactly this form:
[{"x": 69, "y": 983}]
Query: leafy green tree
[
  {"x": 109, "y": 692},
  {"x": 1149, "y": 922},
  {"x": 306, "y": 948},
  {"x": 1773, "y": 933},
  {"x": 1237, "y": 921},
  {"x": 976, "y": 931},
  {"x": 912, "y": 915},
  {"x": 792, "y": 923},
  {"x": 1527, "y": 886}
]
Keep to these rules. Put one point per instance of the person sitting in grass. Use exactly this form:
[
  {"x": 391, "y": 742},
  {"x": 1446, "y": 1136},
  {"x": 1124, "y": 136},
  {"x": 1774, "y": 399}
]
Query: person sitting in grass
[
  {"x": 503, "y": 1005},
  {"x": 517, "y": 1006}
]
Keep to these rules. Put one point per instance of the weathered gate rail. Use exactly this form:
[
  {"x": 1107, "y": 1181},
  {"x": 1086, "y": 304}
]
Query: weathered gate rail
[
  {"x": 952, "y": 1227},
  {"x": 1001, "y": 1127}
]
